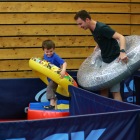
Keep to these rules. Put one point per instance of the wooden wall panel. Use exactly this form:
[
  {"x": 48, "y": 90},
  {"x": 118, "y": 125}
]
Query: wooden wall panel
[
  {"x": 135, "y": 29},
  {"x": 60, "y": 41},
  {"x": 135, "y": 19},
  {"x": 14, "y": 65},
  {"x": 19, "y": 30},
  {"x": 15, "y": 74},
  {"x": 64, "y": 7},
  {"x": 20, "y": 65},
  {"x": 135, "y": 1},
  {"x": 38, "y": 52},
  {"x": 25, "y": 24},
  {"x": 51, "y": 18},
  {"x": 135, "y": 8},
  {"x": 76, "y": 0}
]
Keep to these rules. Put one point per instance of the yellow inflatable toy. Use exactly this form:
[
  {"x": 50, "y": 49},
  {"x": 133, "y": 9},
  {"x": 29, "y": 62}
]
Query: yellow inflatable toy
[{"x": 46, "y": 69}]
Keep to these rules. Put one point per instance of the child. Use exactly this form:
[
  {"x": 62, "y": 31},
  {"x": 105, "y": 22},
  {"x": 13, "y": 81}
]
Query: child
[{"x": 48, "y": 47}]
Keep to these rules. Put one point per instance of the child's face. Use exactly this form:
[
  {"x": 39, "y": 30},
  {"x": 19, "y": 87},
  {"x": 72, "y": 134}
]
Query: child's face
[{"x": 49, "y": 52}]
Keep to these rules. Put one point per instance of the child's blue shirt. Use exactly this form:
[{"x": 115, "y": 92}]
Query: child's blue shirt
[{"x": 54, "y": 59}]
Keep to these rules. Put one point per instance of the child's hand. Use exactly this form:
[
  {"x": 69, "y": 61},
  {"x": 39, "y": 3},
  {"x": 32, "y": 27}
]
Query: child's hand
[{"x": 62, "y": 74}]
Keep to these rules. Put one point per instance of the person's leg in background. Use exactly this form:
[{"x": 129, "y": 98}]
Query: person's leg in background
[
  {"x": 115, "y": 90},
  {"x": 104, "y": 92}
]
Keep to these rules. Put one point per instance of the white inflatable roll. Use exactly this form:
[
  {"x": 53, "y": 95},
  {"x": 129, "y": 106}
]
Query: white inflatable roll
[{"x": 92, "y": 76}]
